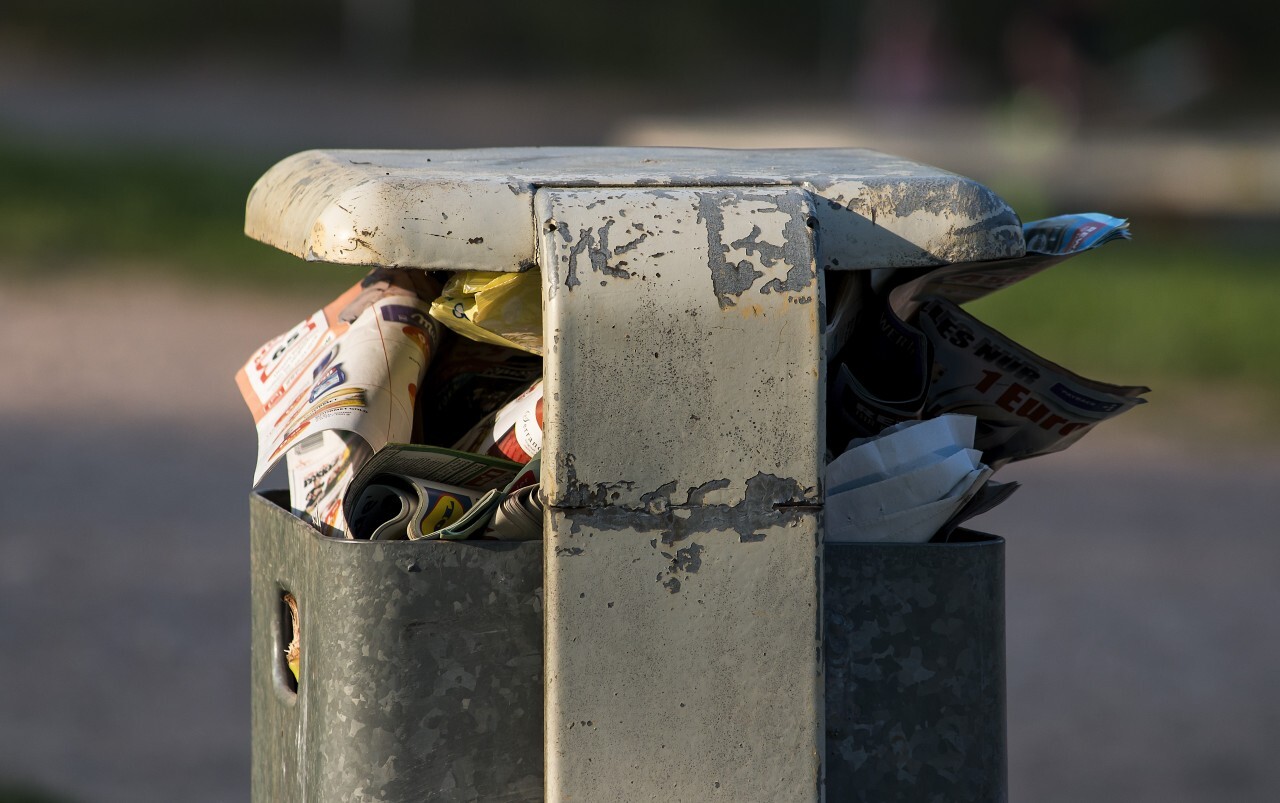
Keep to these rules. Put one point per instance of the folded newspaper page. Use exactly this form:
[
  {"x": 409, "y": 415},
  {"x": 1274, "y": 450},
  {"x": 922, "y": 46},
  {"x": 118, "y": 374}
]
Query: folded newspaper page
[
  {"x": 397, "y": 506},
  {"x": 950, "y": 361},
  {"x": 912, "y": 354},
  {"x": 1025, "y": 404},
  {"x": 327, "y": 374},
  {"x": 1049, "y": 242},
  {"x": 477, "y": 474},
  {"x": 320, "y": 468}
]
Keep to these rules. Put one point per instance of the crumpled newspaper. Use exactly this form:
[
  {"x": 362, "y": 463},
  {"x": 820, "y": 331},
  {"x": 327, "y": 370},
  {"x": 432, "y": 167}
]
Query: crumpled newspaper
[
  {"x": 904, "y": 350},
  {"x": 339, "y": 386}
]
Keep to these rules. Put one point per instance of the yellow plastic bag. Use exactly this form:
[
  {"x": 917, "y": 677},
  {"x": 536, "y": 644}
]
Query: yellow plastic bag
[{"x": 494, "y": 307}]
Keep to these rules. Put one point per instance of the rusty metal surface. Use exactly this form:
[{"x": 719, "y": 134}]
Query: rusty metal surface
[
  {"x": 421, "y": 675},
  {"x": 682, "y": 468},
  {"x": 472, "y": 209}
]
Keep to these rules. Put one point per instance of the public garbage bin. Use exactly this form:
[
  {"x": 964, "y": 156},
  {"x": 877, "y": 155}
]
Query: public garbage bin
[{"x": 682, "y": 633}]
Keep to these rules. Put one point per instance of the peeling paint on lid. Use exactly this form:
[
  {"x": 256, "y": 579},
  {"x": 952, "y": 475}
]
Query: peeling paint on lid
[{"x": 315, "y": 203}]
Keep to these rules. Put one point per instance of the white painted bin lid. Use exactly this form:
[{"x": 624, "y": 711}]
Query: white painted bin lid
[{"x": 473, "y": 209}]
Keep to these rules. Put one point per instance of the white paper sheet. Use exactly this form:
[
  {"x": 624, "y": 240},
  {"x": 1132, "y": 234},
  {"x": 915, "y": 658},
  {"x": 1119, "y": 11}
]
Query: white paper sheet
[{"x": 904, "y": 484}]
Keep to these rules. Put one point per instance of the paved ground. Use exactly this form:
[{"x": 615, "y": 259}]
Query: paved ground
[{"x": 1142, "y": 636}]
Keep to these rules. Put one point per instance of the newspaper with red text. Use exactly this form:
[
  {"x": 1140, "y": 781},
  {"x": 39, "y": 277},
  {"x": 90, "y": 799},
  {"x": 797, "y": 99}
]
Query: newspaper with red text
[
  {"x": 1025, "y": 405},
  {"x": 911, "y": 353}
]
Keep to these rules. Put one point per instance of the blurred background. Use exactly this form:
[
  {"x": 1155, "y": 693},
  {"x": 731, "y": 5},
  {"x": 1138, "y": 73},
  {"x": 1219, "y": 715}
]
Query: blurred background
[{"x": 1142, "y": 563}]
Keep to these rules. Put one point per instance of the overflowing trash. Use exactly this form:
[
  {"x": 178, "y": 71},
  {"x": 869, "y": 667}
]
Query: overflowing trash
[
  {"x": 412, "y": 408},
  {"x": 902, "y": 351},
  {"x": 337, "y": 397}
]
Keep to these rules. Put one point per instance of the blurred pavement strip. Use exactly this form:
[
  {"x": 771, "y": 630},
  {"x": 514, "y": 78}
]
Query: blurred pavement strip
[
  {"x": 91, "y": 351},
  {"x": 1120, "y": 170}
]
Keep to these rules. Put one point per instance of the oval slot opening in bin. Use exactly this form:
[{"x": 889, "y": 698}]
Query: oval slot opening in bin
[{"x": 288, "y": 659}]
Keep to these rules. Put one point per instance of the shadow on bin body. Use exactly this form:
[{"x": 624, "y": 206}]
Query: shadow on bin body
[{"x": 915, "y": 665}]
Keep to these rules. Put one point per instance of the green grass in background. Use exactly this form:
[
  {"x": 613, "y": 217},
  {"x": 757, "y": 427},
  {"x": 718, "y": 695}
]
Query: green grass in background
[
  {"x": 74, "y": 211},
  {"x": 1194, "y": 308},
  {"x": 25, "y": 793}
]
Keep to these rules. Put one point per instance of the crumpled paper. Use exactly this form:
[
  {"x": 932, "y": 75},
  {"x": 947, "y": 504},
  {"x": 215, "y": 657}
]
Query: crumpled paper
[{"x": 906, "y": 483}]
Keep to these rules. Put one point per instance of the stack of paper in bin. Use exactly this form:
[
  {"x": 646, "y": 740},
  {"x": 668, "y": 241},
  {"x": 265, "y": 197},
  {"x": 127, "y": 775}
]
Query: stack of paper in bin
[
  {"x": 906, "y": 483},
  {"x": 518, "y": 517}
]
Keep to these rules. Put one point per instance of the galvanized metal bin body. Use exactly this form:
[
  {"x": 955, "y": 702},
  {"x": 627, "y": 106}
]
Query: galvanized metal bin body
[
  {"x": 685, "y": 421},
  {"x": 915, "y": 671},
  {"x": 913, "y": 644},
  {"x": 421, "y": 675}
]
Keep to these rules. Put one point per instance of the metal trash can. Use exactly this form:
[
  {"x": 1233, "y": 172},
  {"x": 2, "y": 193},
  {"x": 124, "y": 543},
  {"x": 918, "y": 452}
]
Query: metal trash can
[{"x": 693, "y": 638}]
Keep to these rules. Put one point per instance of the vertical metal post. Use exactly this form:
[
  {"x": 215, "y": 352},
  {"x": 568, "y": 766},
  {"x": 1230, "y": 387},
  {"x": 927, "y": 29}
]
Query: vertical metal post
[{"x": 682, "y": 467}]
